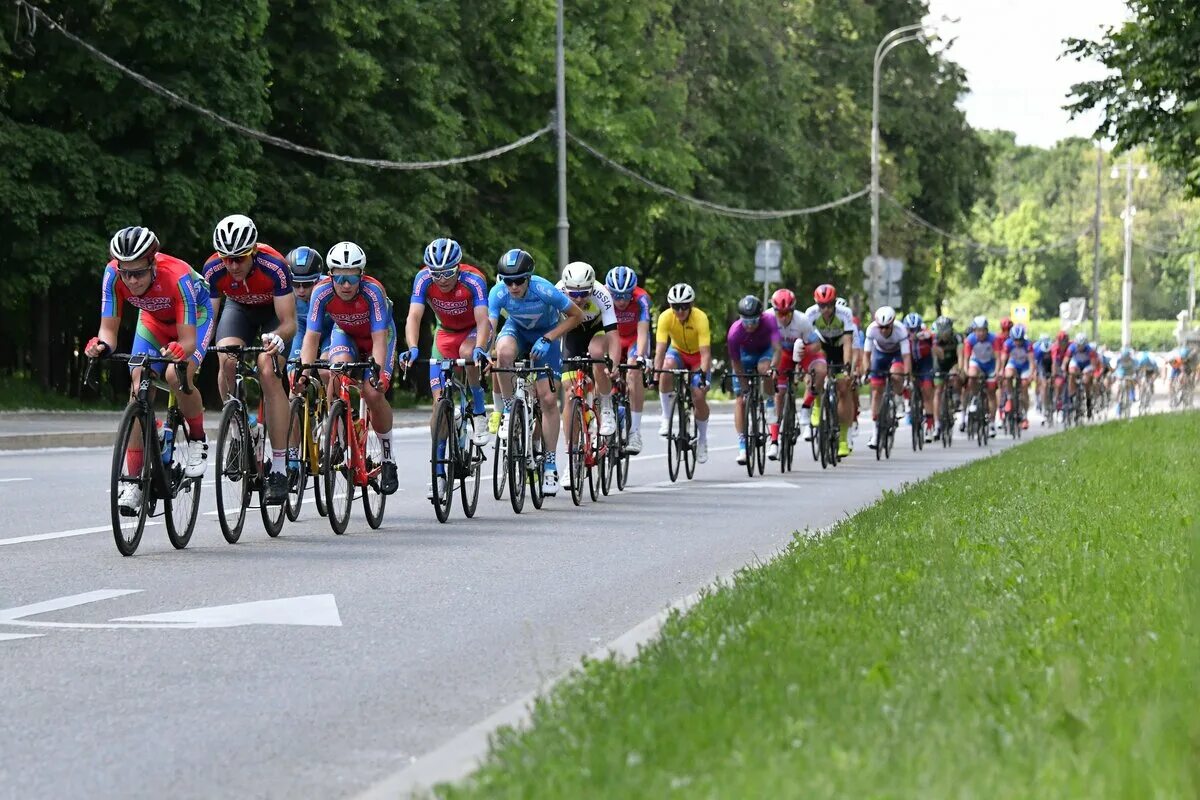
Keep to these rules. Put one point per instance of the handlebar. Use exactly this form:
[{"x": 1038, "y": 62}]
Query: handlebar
[
  {"x": 137, "y": 360},
  {"x": 242, "y": 350},
  {"x": 524, "y": 367}
]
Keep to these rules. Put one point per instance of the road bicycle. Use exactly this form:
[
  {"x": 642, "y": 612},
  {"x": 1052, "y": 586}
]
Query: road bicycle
[
  {"x": 755, "y": 417},
  {"x": 916, "y": 416},
  {"x": 353, "y": 453},
  {"x": 681, "y": 424},
  {"x": 1126, "y": 389},
  {"x": 827, "y": 436},
  {"x": 164, "y": 448},
  {"x": 310, "y": 410},
  {"x": 243, "y": 450},
  {"x": 624, "y": 412},
  {"x": 1015, "y": 412},
  {"x": 789, "y": 430},
  {"x": 455, "y": 459},
  {"x": 885, "y": 426},
  {"x": 978, "y": 418},
  {"x": 1146, "y": 396},
  {"x": 588, "y": 453},
  {"x": 524, "y": 451},
  {"x": 946, "y": 406}
]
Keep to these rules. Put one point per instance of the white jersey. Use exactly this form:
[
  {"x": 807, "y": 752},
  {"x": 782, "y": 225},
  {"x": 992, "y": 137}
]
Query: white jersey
[
  {"x": 842, "y": 323},
  {"x": 599, "y": 305},
  {"x": 799, "y": 328},
  {"x": 895, "y": 342}
]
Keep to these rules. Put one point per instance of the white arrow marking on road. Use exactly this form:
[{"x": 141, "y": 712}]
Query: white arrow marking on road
[
  {"x": 313, "y": 610},
  {"x": 14, "y": 480},
  {"x": 8, "y": 637},
  {"x": 41, "y": 537}
]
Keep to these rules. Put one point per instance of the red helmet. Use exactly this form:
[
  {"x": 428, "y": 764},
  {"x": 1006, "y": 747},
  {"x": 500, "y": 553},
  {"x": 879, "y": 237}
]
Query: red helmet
[
  {"x": 825, "y": 293},
  {"x": 1063, "y": 336},
  {"x": 784, "y": 300},
  {"x": 1005, "y": 324}
]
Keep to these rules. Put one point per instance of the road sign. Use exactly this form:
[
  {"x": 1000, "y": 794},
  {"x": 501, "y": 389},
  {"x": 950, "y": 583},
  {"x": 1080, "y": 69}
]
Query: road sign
[
  {"x": 1020, "y": 314},
  {"x": 881, "y": 281},
  {"x": 768, "y": 255},
  {"x": 1072, "y": 311}
]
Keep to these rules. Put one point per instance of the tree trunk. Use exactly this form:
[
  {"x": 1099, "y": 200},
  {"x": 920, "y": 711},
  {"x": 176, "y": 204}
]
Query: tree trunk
[{"x": 41, "y": 356}]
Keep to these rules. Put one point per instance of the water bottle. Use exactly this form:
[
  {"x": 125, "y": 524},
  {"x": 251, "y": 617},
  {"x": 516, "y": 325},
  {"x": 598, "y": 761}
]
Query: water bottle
[
  {"x": 168, "y": 443},
  {"x": 621, "y": 415}
]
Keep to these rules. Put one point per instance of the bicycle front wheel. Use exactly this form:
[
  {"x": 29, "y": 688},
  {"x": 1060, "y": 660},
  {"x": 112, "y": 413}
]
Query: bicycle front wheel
[
  {"x": 183, "y": 500},
  {"x": 441, "y": 460},
  {"x": 624, "y": 424},
  {"x": 761, "y": 435},
  {"x": 516, "y": 456},
  {"x": 471, "y": 464},
  {"x": 131, "y": 438},
  {"x": 576, "y": 455},
  {"x": 537, "y": 463},
  {"x": 499, "y": 466},
  {"x": 373, "y": 498},
  {"x": 687, "y": 428},
  {"x": 297, "y": 469},
  {"x": 233, "y": 471},
  {"x": 339, "y": 481}
]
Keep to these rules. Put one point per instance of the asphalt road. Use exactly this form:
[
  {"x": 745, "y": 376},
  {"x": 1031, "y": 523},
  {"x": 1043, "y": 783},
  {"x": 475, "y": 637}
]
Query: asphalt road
[{"x": 408, "y": 634}]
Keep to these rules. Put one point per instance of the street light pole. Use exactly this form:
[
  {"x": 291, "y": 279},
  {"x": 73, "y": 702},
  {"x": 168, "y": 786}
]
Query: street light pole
[
  {"x": 1096, "y": 246},
  {"x": 564, "y": 224},
  {"x": 895, "y": 38},
  {"x": 1127, "y": 280}
]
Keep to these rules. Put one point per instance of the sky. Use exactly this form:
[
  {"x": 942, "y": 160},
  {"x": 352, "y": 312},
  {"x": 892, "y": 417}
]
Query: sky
[{"x": 1010, "y": 50}]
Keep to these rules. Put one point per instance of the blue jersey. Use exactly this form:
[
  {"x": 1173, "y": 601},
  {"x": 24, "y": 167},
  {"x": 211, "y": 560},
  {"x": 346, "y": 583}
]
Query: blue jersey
[
  {"x": 539, "y": 310},
  {"x": 1041, "y": 351},
  {"x": 1146, "y": 361}
]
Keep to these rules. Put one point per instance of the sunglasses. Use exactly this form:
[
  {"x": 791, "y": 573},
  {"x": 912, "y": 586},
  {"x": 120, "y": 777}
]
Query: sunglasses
[
  {"x": 578, "y": 294},
  {"x": 621, "y": 296},
  {"x": 239, "y": 257},
  {"x": 443, "y": 275},
  {"x": 825, "y": 305},
  {"x": 346, "y": 280},
  {"x": 134, "y": 274},
  {"x": 514, "y": 281},
  {"x": 681, "y": 306},
  {"x": 751, "y": 320}
]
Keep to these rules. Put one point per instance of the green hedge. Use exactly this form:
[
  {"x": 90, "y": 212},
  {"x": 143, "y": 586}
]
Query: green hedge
[{"x": 1148, "y": 334}]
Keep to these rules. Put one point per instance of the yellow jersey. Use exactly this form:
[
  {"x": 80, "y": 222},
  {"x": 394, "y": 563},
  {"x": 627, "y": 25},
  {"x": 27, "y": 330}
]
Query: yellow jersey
[{"x": 686, "y": 337}]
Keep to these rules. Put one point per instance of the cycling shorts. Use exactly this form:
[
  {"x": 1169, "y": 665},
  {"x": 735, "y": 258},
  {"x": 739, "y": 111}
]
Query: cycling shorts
[
  {"x": 343, "y": 344},
  {"x": 1022, "y": 371},
  {"x": 986, "y": 368},
  {"x": 247, "y": 323},
  {"x": 148, "y": 341},
  {"x": 882, "y": 363},
  {"x": 686, "y": 361},
  {"x": 525, "y": 339}
]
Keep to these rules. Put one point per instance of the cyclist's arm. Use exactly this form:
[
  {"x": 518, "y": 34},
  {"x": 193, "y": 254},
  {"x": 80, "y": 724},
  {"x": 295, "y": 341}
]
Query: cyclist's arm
[
  {"x": 705, "y": 358},
  {"x": 483, "y": 327},
  {"x": 906, "y": 352},
  {"x": 285, "y": 310},
  {"x": 643, "y": 337},
  {"x": 572, "y": 318},
  {"x": 186, "y": 336},
  {"x": 379, "y": 350},
  {"x": 108, "y": 332},
  {"x": 613, "y": 342},
  {"x": 310, "y": 348},
  {"x": 412, "y": 324},
  {"x": 848, "y": 353},
  {"x": 660, "y": 353}
]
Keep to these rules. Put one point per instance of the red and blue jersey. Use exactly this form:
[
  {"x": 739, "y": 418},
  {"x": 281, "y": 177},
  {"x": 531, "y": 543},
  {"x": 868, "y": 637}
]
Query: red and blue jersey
[
  {"x": 980, "y": 348},
  {"x": 368, "y": 311},
  {"x": 269, "y": 278},
  {"x": 921, "y": 344},
  {"x": 1019, "y": 353},
  {"x": 177, "y": 296},
  {"x": 1082, "y": 355},
  {"x": 638, "y": 310},
  {"x": 455, "y": 309}
]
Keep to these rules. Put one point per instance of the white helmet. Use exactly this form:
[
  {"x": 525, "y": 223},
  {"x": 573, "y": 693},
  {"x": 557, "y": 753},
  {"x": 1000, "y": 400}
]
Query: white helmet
[
  {"x": 130, "y": 244},
  {"x": 346, "y": 255},
  {"x": 681, "y": 293},
  {"x": 579, "y": 275},
  {"x": 842, "y": 302},
  {"x": 886, "y": 315},
  {"x": 235, "y": 235},
  {"x": 980, "y": 322}
]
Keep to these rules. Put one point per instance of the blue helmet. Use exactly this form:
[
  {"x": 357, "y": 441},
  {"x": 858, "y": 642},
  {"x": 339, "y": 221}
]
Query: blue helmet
[
  {"x": 443, "y": 255},
  {"x": 621, "y": 280},
  {"x": 913, "y": 321},
  {"x": 1018, "y": 333}
]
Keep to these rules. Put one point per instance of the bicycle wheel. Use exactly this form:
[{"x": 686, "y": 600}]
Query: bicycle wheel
[
  {"x": 786, "y": 424},
  {"x": 374, "y": 500},
  {"x": 233, "y": 471},
  {"x": 751, "y": 428},
  {"x": 499, "y": 466},
  {"x": 516, "y": 456},
  {"x": 674, "y": 447},
  {"x": 339, "y": 481},
  {"x": 763, "y": 436},
  {"x": 592, "y": 454},
  {"x": 272, "y": 516},
  {"x": 606, "y": 462},
  {"x": 688, "y": 427},
  {"x": 538, "y": 448},
  {"x": 470, "y": 465},
  {"x": 318, "y": 419},
  {"x": 624, "y": 426},
  {"x": 576, "y": 454},
  {"x": 297, "y": 474},
  {"x": 183, "y": 498},
  {"x": 890, "y": 413},
  {"x": 129, "y": 432}
]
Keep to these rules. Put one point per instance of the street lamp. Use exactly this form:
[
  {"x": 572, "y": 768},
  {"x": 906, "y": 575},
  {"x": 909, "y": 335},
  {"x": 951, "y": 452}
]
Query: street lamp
[
  {"x": 895, "y": 38},
  {"x": 1127, "y": 217}
]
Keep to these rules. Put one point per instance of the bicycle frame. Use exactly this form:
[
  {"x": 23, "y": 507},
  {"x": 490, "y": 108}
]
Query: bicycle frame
[{"x": 344, "y": 381}]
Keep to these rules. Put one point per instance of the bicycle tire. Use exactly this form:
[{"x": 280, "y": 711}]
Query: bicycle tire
[
  {"x": 762, "y": 435},
  {"x": 373, "y": 499},
  {"x": 606, "y": 461},
  {"x": 786, "y": 423},
  {"x": 272, "y": 516},
  {"x": 337, "y": 470},
  {"x": 317, "y": 420},
  {"x": 624, "y": 426},
  {"x": 591, "y": 452},
  {"x": 233, "y": 424},
  {"x": 890, "y": 430},
  {"x": 128, "y": 545},
  {"x": 515, "y": 466},
  {"x": 750, "y": 428},
  {"x": 441, "y": 459},
  {"x": 468, "y": 483},
  {"x": 298, "y": 481},
  {"x": 674, "y": 448},
  {"x": 688, "y": 428},
  {"x": 499, "y": 466},
  {"x": 182, "y": 503},
  {"x": 576, "y": 450}
]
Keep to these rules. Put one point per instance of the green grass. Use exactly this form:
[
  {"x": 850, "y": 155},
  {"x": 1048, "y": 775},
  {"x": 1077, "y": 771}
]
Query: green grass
[
  {"x": 18, "y": 393},
  {"x": 1148, "y": 334},
  {"x": 1020, "y": 627}
]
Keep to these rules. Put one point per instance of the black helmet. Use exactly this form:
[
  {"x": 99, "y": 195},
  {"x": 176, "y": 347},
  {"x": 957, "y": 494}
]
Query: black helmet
[
  {"x": 515, "y": 263},
  {"x": 306, "y": 265},
  {"x": 750, "y": 306}
]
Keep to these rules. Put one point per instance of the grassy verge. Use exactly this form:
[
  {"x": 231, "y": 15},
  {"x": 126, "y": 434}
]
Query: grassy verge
[
  {"x": 1020, "y": 627},
  {"x": 19, "y": 393}
]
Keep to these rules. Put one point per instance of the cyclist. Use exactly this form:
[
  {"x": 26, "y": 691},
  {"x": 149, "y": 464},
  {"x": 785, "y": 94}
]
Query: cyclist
[
  {"x": 835, "y": 325},
  {"x": 539, "y": 315},
  {"x": 1126, "y": 365},
  {"x": 1082, "y": 359},
  {"x": 255, "y": 279},
  {"x": 948, "y": 357},
  {"x": 362, "y": 313},
  {"x": 1016, "y": 365},
  {"x": 579, "y": 283},
  {"x": 307, "y": 267},
  {"x": 1006, "y": 325},
  {"x": 684, "y": 341},
  {"x": 1058, "y": 365},
  {"x": 793, "y": 328},
  {"x": 979, "y": 350},
  {"x": 753, "y": 344},
  {"x": 631, "y": 303},
  {"x": 174, "y": 319},
  {"x": 888, "y": 350},
  {"x": 920, "y": 345},
  {"x": 458, "y": 293},
  {"x": 1044, "y": 369},
  {"x": 1147, "y": 368}
]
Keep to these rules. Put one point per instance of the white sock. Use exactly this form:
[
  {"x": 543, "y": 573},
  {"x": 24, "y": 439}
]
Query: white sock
[
  {"x": 385, "y": 439},
  {"x": 278, "y": 457},
  {"x": 665, "y": 398},
  {"x": 702, "y": 429},
  {"x": 636, "y": 421},
  {"x": 497, "y": 401},
  {"x": 605, "y": 401}
]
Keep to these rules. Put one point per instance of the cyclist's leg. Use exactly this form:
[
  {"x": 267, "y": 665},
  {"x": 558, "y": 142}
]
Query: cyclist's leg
[
  {"x": 666, "y": 382},
  {"x": 880, "y": 363},
  {"x": 637, "y": 391},
  {"x": 549, "y": 402},
  {"x": 377, "y": 402}
]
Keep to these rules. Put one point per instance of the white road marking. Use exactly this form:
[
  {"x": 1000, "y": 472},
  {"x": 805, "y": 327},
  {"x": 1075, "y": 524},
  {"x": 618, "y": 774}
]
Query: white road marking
[
  {"x": 9, "y": 615},
  {"x": 8, "y": 637},
  {"x": 41, "y": 537},
  {"x": 14, "y": 480}
]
